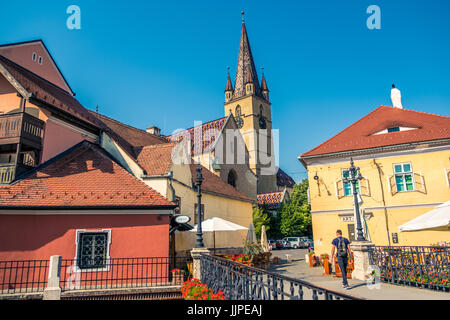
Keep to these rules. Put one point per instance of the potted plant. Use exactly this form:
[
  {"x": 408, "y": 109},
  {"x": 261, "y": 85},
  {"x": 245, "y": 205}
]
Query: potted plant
[
  {"x": 324, "y": 261},
  {"x": 312, "y": 259}
]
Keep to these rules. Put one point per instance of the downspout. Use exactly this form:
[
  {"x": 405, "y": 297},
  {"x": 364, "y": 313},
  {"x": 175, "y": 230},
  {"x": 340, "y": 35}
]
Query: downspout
[{"x": 384, "y": 201}]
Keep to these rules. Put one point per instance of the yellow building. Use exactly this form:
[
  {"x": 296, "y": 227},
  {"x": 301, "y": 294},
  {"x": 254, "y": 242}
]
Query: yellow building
[{"x": 404, "y": 158}]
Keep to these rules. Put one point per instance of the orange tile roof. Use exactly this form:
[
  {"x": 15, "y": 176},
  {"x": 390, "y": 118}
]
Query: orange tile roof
[
  {"x": 84, "y": 176},
  {"x": 360, "y": 135},
  {"x": 155, "y": 159}
]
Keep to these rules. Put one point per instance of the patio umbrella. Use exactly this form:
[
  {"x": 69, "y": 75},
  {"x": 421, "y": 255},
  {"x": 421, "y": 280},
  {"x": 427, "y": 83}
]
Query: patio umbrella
[
  {"x": 251, "y": 236},
  {"x": 264, "y": 243},
  {"x": 218, "y": 224},
  {"x": 438, "y": 218}
]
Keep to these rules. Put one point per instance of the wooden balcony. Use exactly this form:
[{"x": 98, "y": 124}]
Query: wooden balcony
[
  {"x": 9, "y": 171},
  {"x": 21, "y": 128}
]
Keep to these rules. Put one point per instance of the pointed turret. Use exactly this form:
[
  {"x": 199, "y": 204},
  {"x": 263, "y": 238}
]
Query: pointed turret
[
  {"x": 246, "y": 71},
  {"x": 228, "y": 89},
  {"x": 264, "y": 88}
]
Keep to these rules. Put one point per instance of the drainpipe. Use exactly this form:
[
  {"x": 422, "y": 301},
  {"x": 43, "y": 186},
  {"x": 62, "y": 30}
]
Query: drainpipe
[{"x": 380, "y": 172}]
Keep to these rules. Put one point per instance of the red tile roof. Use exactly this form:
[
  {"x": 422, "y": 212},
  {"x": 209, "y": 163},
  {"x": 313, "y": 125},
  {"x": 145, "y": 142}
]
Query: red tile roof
[
  {"x": 84, "y": 176},
  {"x": 360, "y": 135},
  {"x": 156, "y": 159},
  {"x": 48, "y": 92},
  {"x": 214, "y": 184}
]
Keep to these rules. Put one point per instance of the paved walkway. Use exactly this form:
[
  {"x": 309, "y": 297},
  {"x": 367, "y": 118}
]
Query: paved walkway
[{"x": 298, "y": 269}]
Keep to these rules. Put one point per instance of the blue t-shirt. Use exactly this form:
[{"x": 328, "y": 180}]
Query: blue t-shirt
[{"x": 335, "y": 241}]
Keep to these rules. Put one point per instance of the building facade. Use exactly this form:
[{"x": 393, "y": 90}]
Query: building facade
[{"x": 404, "y": 159}]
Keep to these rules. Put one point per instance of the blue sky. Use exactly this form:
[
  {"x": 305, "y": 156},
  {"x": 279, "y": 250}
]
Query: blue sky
[{"x": 164, "y": 63}]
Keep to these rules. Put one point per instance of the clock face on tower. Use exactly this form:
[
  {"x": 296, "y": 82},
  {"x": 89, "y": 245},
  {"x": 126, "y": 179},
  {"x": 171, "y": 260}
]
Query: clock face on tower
[
  {"x": 262, "y": 123},
  {"x": 239, "y": 122}
]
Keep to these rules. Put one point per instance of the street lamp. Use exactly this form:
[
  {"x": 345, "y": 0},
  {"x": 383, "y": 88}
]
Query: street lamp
[
  {"x": 198, "y": 184},
  {"x": 354, "y": 177}
]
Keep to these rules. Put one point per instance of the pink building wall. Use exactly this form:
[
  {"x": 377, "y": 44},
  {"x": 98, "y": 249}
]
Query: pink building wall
[{"x": 37, "y": 237}]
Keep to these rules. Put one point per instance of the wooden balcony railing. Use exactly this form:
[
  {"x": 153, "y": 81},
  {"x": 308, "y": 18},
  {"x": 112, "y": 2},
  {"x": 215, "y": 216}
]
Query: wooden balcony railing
[
  {"x": 9, "y": 171},
  {"x": 21, "y": 125}
]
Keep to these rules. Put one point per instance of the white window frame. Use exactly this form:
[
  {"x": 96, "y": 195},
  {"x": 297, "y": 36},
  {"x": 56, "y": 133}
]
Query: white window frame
[
  {"x": 351, "y": 185},
  {"x": 447, "y": 176},
  {"x": 40, "y": 60},
  {"x": 108, "y": 246},
  {"x": 34, "y": 56},
  {"x": 403, "y": 174}
]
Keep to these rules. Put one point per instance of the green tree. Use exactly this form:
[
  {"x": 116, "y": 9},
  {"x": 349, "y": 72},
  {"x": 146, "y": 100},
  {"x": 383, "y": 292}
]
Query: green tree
[
  {"x": 260, "y": 218},
  {"x": 295, "y": 214}
]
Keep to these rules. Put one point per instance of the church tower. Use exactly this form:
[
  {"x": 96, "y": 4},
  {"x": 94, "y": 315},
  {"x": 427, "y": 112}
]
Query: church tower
[{"x": 249, "y": 103}]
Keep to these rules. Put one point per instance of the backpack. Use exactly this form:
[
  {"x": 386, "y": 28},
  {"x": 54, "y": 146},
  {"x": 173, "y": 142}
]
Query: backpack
[{"x": 341, "y": 248}]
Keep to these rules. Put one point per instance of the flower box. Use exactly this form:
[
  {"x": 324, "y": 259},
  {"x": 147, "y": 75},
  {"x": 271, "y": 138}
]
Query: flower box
[{"x": 338, "y": 272}]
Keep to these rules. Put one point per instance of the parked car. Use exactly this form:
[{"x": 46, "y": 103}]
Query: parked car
[
  {"x": 307, "y": 242},
  {"x": 295, "y": 242},
  {"x": 286, "y": 244},
  {"x": 272, "y": 244},
  {"x": 279, "y": 244}
]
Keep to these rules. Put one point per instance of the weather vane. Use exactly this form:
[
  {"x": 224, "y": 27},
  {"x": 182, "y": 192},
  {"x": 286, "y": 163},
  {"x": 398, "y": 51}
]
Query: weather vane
[{"x": 242, "y": 13}]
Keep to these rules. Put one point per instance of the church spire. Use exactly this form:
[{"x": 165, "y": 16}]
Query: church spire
[
  {"x": 264, "y": 88},
  {"x": 228, "y": 88},
  {"x": 246, "y": 70}
]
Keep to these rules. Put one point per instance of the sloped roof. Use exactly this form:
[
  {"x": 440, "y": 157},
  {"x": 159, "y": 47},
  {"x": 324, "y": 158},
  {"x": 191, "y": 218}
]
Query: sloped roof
[
  {"x": 156, "y": 159},
  {"x": 214, "y": 184},
  {"x": 283, "y": 179},
  {"x": 361, "y": 134},
  {"x": 46, "y": 91},
  {"x": 271, "y": 199},
  {"x": 84, "y": 176},
  {"x": 129, "y": 138},
  {"x": 208, "y": 131}
]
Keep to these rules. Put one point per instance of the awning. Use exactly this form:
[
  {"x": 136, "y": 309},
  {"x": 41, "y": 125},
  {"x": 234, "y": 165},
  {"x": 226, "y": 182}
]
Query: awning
[{"x": 436, "y": 218}]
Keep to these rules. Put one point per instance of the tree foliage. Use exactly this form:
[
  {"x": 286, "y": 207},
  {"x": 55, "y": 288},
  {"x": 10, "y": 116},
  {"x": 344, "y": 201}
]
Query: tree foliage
[
  {"x": 295, "y": 214},
  {"x": 260, "y": 218}
]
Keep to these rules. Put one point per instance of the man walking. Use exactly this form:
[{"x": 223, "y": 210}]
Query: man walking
[{"x": 342, "y": 247}]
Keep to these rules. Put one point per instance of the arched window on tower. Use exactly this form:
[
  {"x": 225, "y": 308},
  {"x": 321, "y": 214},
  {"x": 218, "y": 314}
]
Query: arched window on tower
[
  {"x": 232, "y": 178},
  {"x": 261, "y": 109},
  {"x": 238, "y": 111}
]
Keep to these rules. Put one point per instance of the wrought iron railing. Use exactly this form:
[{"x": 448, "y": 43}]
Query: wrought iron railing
[
  {"x": 23, "y": 276},
  {"x": 425, "y": 267},
  {"x": 115, "y": 273},
  {"x": 240, "y": 282}
]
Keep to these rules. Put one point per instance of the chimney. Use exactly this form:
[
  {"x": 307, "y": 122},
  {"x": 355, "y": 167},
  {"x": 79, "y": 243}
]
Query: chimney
[
  {"x": 396, "y": 97},
  {"x": 154, "y": 130}
]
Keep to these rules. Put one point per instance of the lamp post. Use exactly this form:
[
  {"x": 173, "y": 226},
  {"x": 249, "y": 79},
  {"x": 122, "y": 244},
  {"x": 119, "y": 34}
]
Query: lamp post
[
  {"x": 354, "y": 177},
  {"x": 198, "y": 184}
]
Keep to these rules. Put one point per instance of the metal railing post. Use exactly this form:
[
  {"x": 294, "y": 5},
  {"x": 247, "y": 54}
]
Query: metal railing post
[{"x": 53, "y": 290}]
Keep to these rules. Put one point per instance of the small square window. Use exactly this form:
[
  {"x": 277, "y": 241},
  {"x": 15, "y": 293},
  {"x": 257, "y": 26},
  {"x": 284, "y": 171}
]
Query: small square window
[
  {"x": 398, "y": 168},
  {"x": 92, "y": 250},
  {"x": 404, "y": 180}
]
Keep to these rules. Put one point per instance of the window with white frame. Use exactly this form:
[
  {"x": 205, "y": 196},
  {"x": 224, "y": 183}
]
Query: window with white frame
[
  {"x": 345, "y": 189},
  {"x": 405, "y": 179},
  {"x": 447, "y": 175},
  {"x": 348, "y": 186},
  {"x": 93, "y": 249}
]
